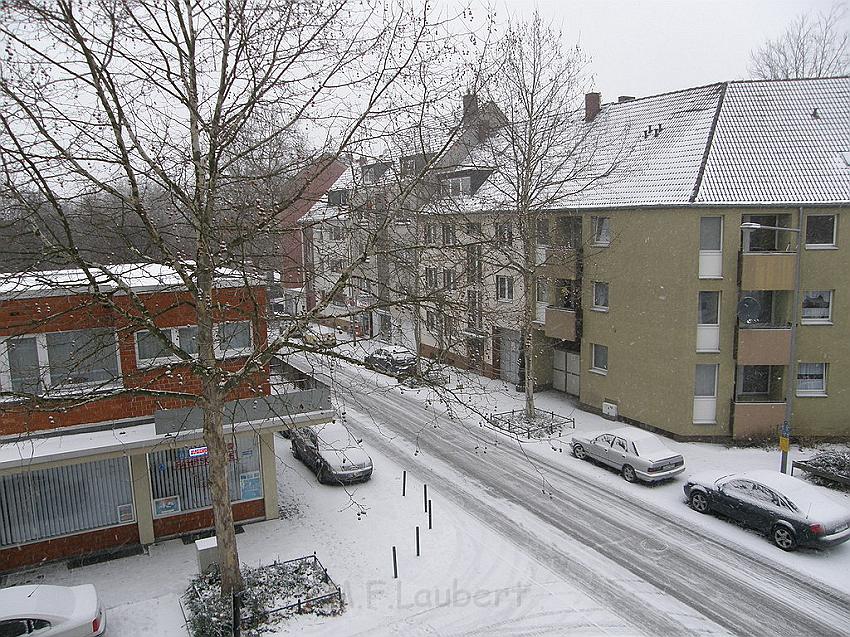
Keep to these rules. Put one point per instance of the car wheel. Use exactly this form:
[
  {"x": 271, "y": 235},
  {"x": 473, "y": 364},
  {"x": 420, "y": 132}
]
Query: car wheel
[
  {"x": 629, "y": 474},
  {"x": 699, "y": 502},
  {"x": 784, "y": 538},
  {"x": 579, "y": 452}
]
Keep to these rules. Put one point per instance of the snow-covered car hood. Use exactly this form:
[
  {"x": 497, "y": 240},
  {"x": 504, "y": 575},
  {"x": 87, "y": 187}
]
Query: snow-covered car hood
[
  {"x": 347, "y": 459},
  {"x": 62, "y": 605}
]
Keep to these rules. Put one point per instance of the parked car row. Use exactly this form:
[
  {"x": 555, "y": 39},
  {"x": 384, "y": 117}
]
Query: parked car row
[{"x": 789, "y": 511}]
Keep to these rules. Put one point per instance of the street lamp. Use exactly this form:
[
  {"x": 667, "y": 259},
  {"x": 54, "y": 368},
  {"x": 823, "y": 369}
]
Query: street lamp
[{"x": 785, "y": 432}]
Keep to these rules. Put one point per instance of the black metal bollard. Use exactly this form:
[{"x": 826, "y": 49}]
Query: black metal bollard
[
  {"x": 429, "y": 515},
  {"x": 425, "y": 494},
  {"x": 417, "y": 541},
  {"x": 395, "y": 565},
  {"x": 403, "y": 482}
]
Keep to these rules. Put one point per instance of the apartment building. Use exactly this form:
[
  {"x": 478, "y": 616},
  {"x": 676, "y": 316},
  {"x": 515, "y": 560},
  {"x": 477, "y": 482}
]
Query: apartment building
[
  {"x": 100, "y": 442},
  {"x": 651, "y": 303}
]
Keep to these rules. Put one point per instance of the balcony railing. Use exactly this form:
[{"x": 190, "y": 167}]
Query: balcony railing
[
  {"x": 761, "y": 344},
  {"x": 767, "y": 271},
  {"x": 757, "y": 419},
  {"x": 561, "y": 323}
]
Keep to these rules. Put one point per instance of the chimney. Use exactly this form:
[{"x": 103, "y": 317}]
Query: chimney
[
  {"x": 470, "y": 105},
  {"x": 625, "y": 98},
  {"x": 592, "y": 106}
]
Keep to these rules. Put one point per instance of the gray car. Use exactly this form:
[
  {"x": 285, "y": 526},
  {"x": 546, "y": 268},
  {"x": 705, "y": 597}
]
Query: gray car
[
  {"x": 637, "y": 454},
  {"x": 791, "y": 512},
  {"x": 332, "y": 452}
]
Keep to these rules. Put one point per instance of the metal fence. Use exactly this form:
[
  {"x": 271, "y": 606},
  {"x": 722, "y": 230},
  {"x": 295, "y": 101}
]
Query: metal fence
[{"x": 544, "y": 424}]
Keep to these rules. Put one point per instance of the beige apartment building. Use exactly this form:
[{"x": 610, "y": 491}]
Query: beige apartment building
[{"x": 653, "y": 305}]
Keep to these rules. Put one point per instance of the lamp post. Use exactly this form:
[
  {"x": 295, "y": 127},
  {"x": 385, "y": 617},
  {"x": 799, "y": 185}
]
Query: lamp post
[{"x": 785, "y": 431}]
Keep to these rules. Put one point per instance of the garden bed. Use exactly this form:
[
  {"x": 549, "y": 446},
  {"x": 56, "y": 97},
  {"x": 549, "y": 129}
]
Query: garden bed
[
  {"x": 827, "y": 468},
  {"x": 272, "y": 593},
  {"x": 544, "y": 424}
]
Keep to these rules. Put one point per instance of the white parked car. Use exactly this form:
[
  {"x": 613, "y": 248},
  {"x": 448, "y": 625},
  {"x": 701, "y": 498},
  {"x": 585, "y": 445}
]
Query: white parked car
[
  {"x": 51, "y": 611},
  {"x": 638, "y": 454}
]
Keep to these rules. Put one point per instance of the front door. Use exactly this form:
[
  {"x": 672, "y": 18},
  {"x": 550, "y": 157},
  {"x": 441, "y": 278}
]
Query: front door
[
  {"x": 573, "y": 373},
  {"x": 511, "y": 345}
]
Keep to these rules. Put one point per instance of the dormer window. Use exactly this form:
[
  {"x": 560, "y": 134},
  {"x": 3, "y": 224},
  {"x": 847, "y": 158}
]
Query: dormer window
[
  {"x": 456, "y": 186},
  {"x": 338, "y": 197}
]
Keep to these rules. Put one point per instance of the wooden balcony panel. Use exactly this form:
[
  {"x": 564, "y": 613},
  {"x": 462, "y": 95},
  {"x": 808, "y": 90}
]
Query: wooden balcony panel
[
  {"x": 561, "y": 323},
  {"x": 764, "y": 346},
  {"x": 767, "y": 271},
  {"x": 757, "y": 420}
]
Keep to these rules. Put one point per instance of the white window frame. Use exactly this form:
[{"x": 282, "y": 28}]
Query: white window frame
[
  {"x": 449, "y": 279},
  {"x": 593, "y": 367},
  {"x": 504, "y": 233},
  {"x": 504, "y": 288},
  {"x": 827, "y": 320},
  {"x": 821, "y": 391},
  {"x": 596, "y": 307},
  {"x": 431, "y": 278},
  {"x": 600, "y": 239},
  {"x": 160, "y": 360},
  {"x": 821, "y": 246},
  {"x": 44, "y": 364}
]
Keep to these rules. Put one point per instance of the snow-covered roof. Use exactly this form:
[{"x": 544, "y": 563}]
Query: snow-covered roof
[
  {"x": 732, "y": 143},
  {"x": 781, "y": 142},
  {"x": 138, "y": 277}
]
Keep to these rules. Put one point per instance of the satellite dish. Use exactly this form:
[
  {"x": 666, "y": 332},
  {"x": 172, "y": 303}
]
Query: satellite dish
[{"x": 749, "y": 309}]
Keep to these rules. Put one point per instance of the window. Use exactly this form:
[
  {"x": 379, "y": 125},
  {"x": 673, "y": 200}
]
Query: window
[
  {"x": 817, "y": 306},
  {"x": 334, "y": 233},
  {"x": 473, "y": 309},
  {"x": 754, "y": 379},
  {"x": 61, "y": 360},
  {"x": 338, "y": 197},
  {"x": 567, "y": 294},
  {"x": 14, "y": 628},
  {"x": 233, "y": 338},
  {"x": 474, "y": 267},
  {"x": 180, "y": 477},
  {"x": 705, "y": 384},
  {"x": 601, "y": 230},
  {"x": 431, "y": 278},
  {"x": 711, "y": 233},
  {"x": 448, "y": 279},
  {"x": 504, "y": 233},
  {"x": 569, "y": 231},
  {"x": 600, "y": 358},
  {"x": 456, "y": 186},
  {"x": 542, "y": 290},
  {"x": 473, "y": 229},
  {"x": 709, "y": 308},
  {"x": 620, "y": 445},
  {"x": 600, "y": 296},
  {"x": 504, "y": 288},
  {"x": 43, "y": 503},
  {"x": 543, "y": 232},
  {"x": 449, "y": 234},
  {"x": 431, "y": 321},
  {"x": 430, "y": 234},
  {"x": 820, "y": 231},
  {"x": 811, "y": 379}
]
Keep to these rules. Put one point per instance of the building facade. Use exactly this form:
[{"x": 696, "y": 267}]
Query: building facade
[{"x": 101, "y": 446}]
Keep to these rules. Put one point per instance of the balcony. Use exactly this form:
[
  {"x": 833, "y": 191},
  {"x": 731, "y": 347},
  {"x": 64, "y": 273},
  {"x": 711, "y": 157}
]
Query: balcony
[
  {"x": 757, "y": 419},
  {"x": 557, "y": 261},
  {"x": 767, "y": 271},
  {"x": 764, "y": 345},
  {"x": 561, "y": 323}
]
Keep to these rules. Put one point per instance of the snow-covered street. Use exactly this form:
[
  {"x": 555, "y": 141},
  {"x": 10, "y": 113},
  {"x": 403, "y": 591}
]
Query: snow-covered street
[{"x": 526, "y": 538}]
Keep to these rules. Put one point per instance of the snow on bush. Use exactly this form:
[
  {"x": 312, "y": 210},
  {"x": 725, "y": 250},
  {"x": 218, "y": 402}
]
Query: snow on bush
[{"x": 272, "y": 593}]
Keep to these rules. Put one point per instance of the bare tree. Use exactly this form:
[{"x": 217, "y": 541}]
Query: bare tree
[
  {"x": 542, "y": 156},
  {"x": 184, "y": 114},
  {"x": 813, "y": 45}
]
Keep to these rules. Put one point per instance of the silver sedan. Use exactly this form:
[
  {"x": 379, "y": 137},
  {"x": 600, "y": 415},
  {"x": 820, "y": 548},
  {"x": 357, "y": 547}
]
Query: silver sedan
[{"x": 638, "y": 454}]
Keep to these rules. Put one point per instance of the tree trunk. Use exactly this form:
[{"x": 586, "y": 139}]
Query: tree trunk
[
  {"x": 528, "y": 341},
  {"x": 231, "y": 576}
]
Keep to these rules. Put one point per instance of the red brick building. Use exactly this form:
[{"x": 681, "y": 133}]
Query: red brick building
[{"x": 100, "y": 445}]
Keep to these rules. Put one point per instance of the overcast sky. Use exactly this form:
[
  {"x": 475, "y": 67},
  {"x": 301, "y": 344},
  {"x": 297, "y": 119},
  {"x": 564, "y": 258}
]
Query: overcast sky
[{"x": 645, "y": 47}]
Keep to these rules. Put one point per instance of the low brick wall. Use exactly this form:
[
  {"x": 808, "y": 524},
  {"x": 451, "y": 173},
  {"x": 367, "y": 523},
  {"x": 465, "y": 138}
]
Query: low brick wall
[{"x": 68, "y": 546}]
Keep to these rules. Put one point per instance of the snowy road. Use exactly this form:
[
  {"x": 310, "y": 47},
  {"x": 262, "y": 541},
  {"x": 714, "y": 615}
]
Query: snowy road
[{"x": 644, "y": 564}]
